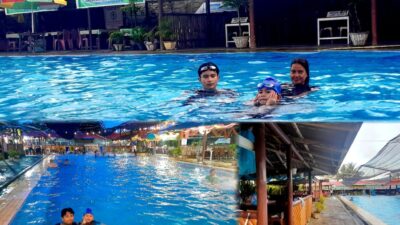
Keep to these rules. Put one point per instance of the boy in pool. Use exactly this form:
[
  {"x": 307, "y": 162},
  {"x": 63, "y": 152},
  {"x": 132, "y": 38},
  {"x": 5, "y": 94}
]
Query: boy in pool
[
  {"x": 269, "y": 92},
  {"x": 67, "y": 217},
  {"x": 208, "y": 76},
  {"x": 88, "y": 218},
  {"x": 212, "y": 177}
]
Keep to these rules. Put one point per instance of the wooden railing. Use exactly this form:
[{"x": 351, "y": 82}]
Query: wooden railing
[{"x": 302, "y": 211}]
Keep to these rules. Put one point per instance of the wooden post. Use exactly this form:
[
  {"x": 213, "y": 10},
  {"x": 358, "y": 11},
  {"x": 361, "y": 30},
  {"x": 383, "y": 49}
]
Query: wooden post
[
  {"x": 259, "y": 147},
  {"x": 309, "y": 183},
  {"x": 208, "y": 9},
  {"x": 289, "y": 185},
  {"x": 373, "y": 23},
  {"x": 252, "y": 25},
  {"x": 208, "y": 23},
  {"x": 90, "y": 28},
  {"x": 204, "y": 146},
  {"x": 146, "y": 11},
  {"x": 320, "y": 188},
  {"x": 160, "y": 14}
]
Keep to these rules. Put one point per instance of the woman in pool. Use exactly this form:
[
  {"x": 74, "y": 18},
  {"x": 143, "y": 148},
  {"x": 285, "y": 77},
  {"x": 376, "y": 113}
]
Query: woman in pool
[{"x": 300, "y": 76}]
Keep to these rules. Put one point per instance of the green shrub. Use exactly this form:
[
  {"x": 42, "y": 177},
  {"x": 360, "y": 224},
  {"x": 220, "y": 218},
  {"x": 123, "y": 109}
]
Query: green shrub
[
  {"x": 322, "y": 199},
  {"x": 165, "y": 31},
  {"x": 116, "y": 37},
  {"x": 319, "y": 207},
  {"x": 138, "y": 34},
  {"x": 14, "y": 154},
  {"x": 176, "y": 152},
  {"x": 246, "y": 189}
]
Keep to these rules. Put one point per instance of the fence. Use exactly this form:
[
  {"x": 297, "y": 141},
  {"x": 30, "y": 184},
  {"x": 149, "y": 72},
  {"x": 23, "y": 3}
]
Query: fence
[{"x": 198, "y": 31}]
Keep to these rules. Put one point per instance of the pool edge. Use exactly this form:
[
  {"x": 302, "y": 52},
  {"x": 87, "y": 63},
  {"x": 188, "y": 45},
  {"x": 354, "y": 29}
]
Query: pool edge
[
  {"x": 364, "y": 215},
  {"x": 16, "y": 198},
  {"x": 21, "y": 173}
]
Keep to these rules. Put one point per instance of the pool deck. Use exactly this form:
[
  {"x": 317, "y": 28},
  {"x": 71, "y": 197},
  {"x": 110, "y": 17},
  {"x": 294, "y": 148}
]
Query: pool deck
[
  {"x": 336, "y": 213},
  {"x": 287, "y": 48},
  {"x": 211, "y": 164},
  {"x": 15, "y": 194}
]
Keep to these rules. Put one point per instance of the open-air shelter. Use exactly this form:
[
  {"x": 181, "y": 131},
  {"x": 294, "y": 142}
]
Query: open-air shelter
[{"x": 288, "y": 148}]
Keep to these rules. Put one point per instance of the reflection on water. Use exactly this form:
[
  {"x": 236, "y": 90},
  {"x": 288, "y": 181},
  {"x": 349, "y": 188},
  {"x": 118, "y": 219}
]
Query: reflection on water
[{"x": 127, "y": 189}]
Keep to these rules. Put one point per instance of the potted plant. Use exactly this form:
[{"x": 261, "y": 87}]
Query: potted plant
[
  {"x": 137, "y": 36},
  {"x": 358, "y": 37},
  {"x": 166, "y": 33},
  {"x": 246, "y": 190},
  {"x": 319, "y": 207},
  {"x": 116, "y": 38},
  {"x": 240, "y": 41},
  {"x": 149, "y": 38},
  {"x": 14, "y": 154}
]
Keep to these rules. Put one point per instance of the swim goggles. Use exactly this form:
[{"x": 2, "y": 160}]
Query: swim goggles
[
  {"x": 208, "y": 67},
  {"x": 270, "y": 83}
]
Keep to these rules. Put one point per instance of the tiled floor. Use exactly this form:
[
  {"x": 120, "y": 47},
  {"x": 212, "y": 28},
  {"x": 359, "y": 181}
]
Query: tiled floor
[{"x": 335, "y": 214}]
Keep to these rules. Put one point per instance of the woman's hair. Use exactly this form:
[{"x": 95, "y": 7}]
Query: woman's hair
[{"x": 303, "y": 63}]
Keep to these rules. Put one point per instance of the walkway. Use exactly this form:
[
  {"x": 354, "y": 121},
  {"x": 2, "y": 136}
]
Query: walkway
[
  {"x": 335, "y": 213},
  {"x": 14, "y": 195}
]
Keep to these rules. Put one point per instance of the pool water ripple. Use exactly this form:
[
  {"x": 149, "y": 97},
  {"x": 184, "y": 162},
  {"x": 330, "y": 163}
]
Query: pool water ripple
[
  {"x": 144, "y": 87},
  {"x": 127, "y": 189}
]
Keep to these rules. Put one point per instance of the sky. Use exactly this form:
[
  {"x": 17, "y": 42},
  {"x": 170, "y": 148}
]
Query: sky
[{"x": 369, "y": 140}]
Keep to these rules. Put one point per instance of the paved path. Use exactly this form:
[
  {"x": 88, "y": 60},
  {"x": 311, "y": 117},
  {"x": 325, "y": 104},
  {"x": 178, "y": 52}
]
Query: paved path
[
  {"x": 12, "y": 198},
  {"x": 335, "y": 214}
]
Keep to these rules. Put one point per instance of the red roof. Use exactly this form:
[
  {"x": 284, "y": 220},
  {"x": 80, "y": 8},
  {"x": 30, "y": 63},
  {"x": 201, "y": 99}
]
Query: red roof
[
  {"x": 369, "y": 182},
  {"x": 333, "y": 183},
  {"x": 394, "y": 182}
]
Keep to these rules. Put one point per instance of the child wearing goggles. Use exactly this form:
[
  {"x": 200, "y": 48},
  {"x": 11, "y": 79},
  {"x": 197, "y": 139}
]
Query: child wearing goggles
[{"x": 269, "y": 92}]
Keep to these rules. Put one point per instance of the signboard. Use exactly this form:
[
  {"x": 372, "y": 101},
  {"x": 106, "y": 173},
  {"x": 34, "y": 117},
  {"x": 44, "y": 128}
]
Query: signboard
[
  {"x": 83, "y": 4},
  {"x": 34, "y": 10}
]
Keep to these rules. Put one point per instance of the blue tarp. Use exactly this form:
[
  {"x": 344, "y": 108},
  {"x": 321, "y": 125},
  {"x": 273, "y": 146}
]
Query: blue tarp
[{"x": 247, "y": 157}]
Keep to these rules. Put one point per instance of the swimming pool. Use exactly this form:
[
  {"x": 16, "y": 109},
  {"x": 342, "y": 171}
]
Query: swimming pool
[
  {"x": 354, "y": 85},
  {"x": 9, "y": 168},
  {"x": 131, "y": 190},
  {"x": 385, "y": 208}
]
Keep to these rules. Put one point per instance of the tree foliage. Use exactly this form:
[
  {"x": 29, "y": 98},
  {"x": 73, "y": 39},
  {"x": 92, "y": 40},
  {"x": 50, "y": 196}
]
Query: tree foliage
[{"x": 348, "y": 170}]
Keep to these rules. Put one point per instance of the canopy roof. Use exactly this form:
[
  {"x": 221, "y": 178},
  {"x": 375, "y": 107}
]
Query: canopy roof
[
  {"x": 320, "y": 147},
  {"x": 387, "y": 160}
]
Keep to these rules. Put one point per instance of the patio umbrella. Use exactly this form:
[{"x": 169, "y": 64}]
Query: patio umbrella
[{"x": 14, "y": 7}]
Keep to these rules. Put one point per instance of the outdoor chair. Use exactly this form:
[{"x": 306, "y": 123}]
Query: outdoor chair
[
  {"x": 276, "y": 219},
  {"x": 68, "y": 38},
  {"x": 341, "y": 29},
  {"x": 59, "y": 42},
  {"x": 11, "y": 45},
  {"x": 329, "y": 29},
  {"x": 84, "y": 42}
]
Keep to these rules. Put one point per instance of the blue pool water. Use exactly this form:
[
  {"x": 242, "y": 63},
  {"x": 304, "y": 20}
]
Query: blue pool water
[
  {"x": 354, "y": 85},
  {"x": 385, "y": 208},
  {"x": 131, "y": 190},
  {"x": 11, "y": 168}
]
